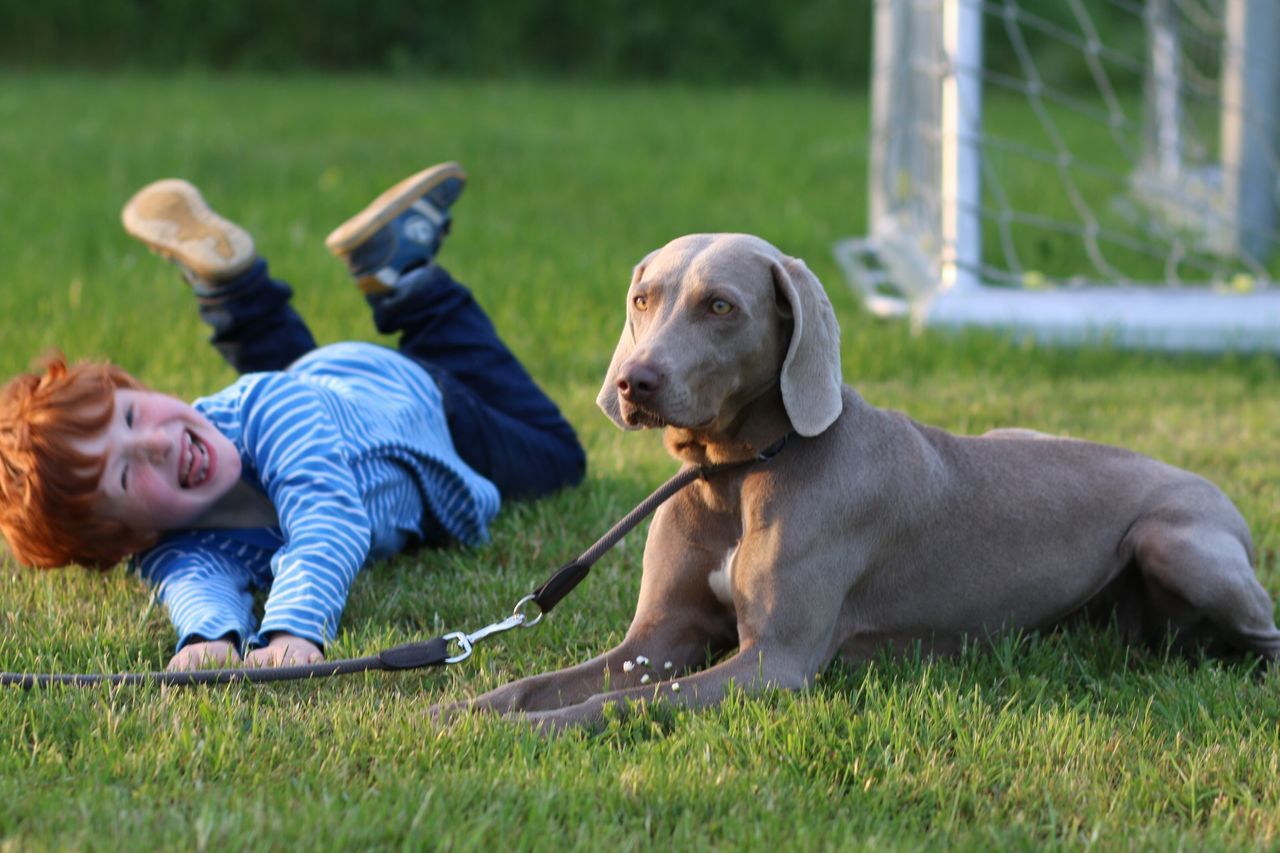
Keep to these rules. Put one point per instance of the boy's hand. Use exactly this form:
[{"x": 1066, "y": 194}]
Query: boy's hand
[
  {"x": 285, "y": 650},
  {"x": 218, "y": 653}
]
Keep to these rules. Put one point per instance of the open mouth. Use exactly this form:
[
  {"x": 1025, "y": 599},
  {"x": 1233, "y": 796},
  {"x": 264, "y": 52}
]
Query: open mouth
[{"x": 196, "y": 464}]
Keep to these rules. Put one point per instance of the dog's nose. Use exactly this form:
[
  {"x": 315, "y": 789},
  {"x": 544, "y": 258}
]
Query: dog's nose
[{"x": 639, "y": 383}]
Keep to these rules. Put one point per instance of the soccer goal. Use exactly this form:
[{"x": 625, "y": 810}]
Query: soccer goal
[{"x": 1076, "y": 170}]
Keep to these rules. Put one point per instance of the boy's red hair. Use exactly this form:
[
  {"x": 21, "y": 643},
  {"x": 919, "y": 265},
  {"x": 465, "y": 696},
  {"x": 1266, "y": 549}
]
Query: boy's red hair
[{"x": 47, "y": 487}]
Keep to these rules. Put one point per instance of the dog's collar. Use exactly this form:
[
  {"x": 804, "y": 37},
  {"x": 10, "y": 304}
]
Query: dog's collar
[
  {"x": 704, "y": 471},
  {"x": 774, "y": 449}
]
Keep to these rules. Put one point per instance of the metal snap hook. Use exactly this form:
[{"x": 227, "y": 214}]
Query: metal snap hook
[{"x": 462, "y": 640}]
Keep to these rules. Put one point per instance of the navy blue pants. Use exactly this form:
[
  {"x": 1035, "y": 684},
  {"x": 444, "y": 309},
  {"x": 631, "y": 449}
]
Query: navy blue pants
[{"x": 502, "y": 424}]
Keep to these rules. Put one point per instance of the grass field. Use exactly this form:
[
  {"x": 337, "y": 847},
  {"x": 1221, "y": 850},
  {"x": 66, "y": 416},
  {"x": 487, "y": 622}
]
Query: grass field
[{"x": 1058, "y": 740}]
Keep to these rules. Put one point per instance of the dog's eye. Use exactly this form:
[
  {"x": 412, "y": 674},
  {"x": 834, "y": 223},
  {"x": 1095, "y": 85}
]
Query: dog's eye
[
  {"x": 719, "y": 306},
  {"x": 641, "y": 302}
]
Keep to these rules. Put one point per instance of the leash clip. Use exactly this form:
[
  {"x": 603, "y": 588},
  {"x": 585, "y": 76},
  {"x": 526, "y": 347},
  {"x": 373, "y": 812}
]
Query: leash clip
[{"x": 467, "y": 642}]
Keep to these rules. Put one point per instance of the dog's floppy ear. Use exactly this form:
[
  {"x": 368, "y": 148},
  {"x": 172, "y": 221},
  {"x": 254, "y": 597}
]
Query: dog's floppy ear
[
  {"x": 811, "y": 381},
  {"x": 607, "y": 399}
]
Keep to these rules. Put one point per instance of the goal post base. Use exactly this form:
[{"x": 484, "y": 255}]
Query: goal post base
[
  {"x": 1155, "y": 318},
  {"x": 1162, "y": 318}
]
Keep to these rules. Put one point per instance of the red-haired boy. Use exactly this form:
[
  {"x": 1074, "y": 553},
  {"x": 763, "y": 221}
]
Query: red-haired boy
[{"x": 312, "y": 464}]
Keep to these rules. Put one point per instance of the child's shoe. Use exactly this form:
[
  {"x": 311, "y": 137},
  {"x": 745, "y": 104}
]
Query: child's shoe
[
  {"x": 400, "y": 229},
  {"x": 175, "y": 222}
]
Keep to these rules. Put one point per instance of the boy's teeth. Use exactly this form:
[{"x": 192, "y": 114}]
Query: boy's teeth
[{"x": 189, "y": 466}]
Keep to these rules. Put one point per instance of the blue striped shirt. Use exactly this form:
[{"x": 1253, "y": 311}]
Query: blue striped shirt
[{"x": 351, "y": 445}]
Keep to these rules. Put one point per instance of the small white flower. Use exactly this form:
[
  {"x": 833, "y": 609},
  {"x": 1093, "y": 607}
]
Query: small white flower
[
  {"x": 675, "y": 687},
  {"x": 668, "y": 666},
  {"x": 644, "y": 679},
  {"x": 627, "y": 666},
  {"x": 642, "y": 660}
]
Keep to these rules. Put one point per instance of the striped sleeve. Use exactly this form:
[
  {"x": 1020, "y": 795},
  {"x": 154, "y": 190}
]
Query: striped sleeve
[
  {"x": 300, "y": 460},
  {"x": 206, "y": 591}
]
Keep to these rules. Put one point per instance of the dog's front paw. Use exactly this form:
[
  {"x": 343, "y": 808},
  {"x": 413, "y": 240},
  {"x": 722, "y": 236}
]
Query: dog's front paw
[
  {"x": 504, "y": 700},
  {"x": 444, "y": 713},
  {"x": 507, "y": 699},
  {"x": 548, "y": 722},
  {"x": 542, "y": 722}
]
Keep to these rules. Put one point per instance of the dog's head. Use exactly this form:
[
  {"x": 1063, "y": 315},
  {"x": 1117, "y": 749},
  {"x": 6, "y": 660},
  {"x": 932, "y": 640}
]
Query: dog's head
[{"x": 714, "y": 322}]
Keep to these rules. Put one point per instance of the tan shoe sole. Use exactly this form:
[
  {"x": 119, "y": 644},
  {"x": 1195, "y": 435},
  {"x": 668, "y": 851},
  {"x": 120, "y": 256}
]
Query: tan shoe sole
[
  {"x": 388, "y": 206},
  {"x": 175, "y": 222}
]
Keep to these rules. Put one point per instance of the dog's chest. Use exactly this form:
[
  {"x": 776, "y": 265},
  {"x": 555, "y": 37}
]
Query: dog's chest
[
  {"x": 721, "y": 580},
  {"x": 719, "y": 508}
]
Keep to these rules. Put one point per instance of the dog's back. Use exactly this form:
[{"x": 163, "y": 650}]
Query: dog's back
[{"x": 970, "y": 535}]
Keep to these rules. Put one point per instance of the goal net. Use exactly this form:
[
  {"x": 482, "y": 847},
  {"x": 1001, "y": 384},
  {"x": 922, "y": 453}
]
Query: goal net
[{"x": 1076, "y": 170}]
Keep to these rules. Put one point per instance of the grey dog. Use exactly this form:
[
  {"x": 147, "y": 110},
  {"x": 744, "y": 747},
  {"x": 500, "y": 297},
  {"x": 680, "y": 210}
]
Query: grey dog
[{"x": 868, "y": 530}]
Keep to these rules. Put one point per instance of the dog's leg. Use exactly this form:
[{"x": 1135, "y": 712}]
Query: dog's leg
[
  {"x": 786, "y": 621},
  {"x": 1199, "y": 570},
  {"x": 751, "y": 670},
  {"x": 677, "y": 619},
  {"x": 603, "y": 672}
]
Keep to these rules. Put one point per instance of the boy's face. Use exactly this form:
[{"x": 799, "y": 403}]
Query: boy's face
[{"x": 166, "y": 465}]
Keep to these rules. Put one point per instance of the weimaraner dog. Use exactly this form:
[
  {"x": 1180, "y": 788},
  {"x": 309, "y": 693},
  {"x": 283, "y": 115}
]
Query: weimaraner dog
[{"x": 866, "y": 530}]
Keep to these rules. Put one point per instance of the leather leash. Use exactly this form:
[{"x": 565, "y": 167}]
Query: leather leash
[{"x": 438, "y": 651}]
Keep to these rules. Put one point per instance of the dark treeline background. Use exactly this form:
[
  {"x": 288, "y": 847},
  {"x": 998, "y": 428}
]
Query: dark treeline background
[{"x": 711, "y": 41}]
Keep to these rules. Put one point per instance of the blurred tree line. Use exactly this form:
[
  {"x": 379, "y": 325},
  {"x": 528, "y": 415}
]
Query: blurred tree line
[
  {"x": 715, "y": 41},
  {"x": 701, "y": 40}
]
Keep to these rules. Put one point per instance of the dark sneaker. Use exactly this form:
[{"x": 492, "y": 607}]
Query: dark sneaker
[
  {"x": 175, "y": 222},
  {"x": 400, "y": 229}
]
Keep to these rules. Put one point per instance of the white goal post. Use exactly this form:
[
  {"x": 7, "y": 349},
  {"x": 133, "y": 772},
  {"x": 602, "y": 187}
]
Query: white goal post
[{"x": 1070, "y": 188}]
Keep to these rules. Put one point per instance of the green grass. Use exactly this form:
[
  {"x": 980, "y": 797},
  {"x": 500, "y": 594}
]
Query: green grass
[{"x": 1057, "y": 740}]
